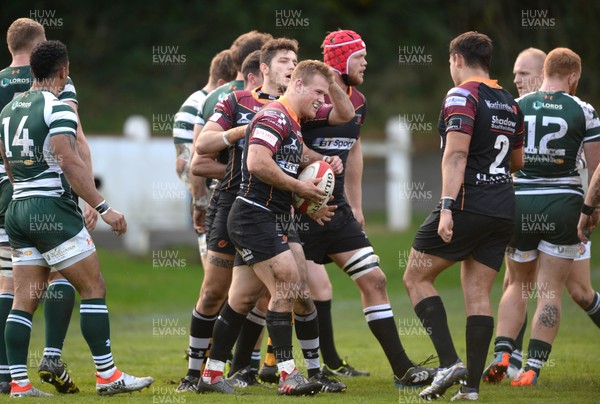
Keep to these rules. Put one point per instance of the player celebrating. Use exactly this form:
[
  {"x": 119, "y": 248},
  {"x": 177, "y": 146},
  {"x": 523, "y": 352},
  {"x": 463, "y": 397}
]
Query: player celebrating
[
  {"x": 39, "y": 163},
  {"x": 258, "y": 227},
  {"x": 342, "y": 240},
  {"x": 482, "y": 136},
  {"x": 549, "y": 197},
  {"x": 217, "y": 272}
]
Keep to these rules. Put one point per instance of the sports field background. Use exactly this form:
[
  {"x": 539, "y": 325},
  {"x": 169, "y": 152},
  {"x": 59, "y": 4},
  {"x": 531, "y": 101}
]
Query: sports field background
[{"x": 150, "y": 303}]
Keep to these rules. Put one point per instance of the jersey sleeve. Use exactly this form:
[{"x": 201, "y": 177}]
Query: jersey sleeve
[
  {"x": 224, "y": 112},
  {"x": 320, "y": 120},
  {"x": 519, "y": 135},
  {"x": 269, "y": 130},
  {"x": 62, "y": 120},
  {"x": 592, "y": 124},
  {"x": 68, "y": 93},
  {"x": 459, "y": 110}
]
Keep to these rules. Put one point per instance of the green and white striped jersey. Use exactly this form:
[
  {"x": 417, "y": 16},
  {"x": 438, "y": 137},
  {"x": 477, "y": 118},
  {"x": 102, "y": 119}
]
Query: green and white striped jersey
[
  {"x": 557, "y": 125},
  {"x": 187, "y": 117},
  {"x": 27, "y": 124},
  {"x": 16, "y": 80}
]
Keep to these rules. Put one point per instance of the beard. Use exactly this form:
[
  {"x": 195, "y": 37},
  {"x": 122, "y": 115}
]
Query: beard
[{"x": 354, "y": 80}]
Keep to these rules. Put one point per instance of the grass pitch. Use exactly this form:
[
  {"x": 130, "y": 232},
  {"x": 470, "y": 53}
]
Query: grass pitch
[{"x": 150, "y": 301}]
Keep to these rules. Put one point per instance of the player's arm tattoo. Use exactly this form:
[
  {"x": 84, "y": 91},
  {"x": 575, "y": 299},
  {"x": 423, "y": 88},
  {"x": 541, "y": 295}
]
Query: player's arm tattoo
[
  {"x": 549, "y": 316},
  {"x": 220, "y": 262},
  {"x": 72, "y": 142}
]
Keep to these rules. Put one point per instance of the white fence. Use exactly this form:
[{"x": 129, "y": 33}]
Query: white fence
[{"x": 138, "y": 178}]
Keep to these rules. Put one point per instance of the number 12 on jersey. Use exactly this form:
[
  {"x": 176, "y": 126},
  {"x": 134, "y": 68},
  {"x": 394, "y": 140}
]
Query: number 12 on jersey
[{"x": 530, "y": 147}]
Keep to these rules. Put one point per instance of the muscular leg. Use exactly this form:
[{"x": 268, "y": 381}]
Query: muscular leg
[
  {"x": 59, "y": 301},
  {"x": 29, "y": 285},
  {"x": 281, "y": 273},
  {"x": 306, "y": 320},
  {"x": 550, "y": 281},
  {"x": 552, "y": 275},
  {"x": 322, "y": 293},
  {"x": 250, "y": 334},
  {"x": 579, "y": 286},
  {"x": 477, "y": 280},
  {"x": 6, "y": 301},
  {"x": 516, "y": 357},
  {"x": 213, "y": 293},
  {"x": 421, "y": 272},
  {"x": 513, "y": 304},
  {"x": 512, "y": 313}
]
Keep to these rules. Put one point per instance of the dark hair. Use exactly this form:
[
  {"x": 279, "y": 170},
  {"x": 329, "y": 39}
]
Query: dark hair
[
  {"x": 47, "y": 57},
  {"x": 251, "y": 65},
  {"x": 245, "y": 44},
  {"x": 221, "y": 67},
  {"x": 475, "y": 48},
  {"x": 270, "y": 49}
]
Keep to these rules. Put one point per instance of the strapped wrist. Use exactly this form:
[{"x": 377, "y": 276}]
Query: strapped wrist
[
  {"x": 102, "y": 207},
  {"x": 587, "y": 209},
  {"x": 446, "y": 203},
  {"x": 225, "y": 139},
  {"x": 201, "y": 203}
]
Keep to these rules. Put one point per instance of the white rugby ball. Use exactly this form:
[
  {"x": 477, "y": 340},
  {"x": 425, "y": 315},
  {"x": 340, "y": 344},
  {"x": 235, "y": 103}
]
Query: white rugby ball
[{"x": 318, "y": 169}]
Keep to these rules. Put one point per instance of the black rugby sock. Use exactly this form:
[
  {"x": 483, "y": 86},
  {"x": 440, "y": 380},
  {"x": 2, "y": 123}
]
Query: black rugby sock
[
  {"x": 383, "y": 326},
  {"x": 432, "y": 314},
  {"x": 330, "y": 355},
  {"x": 479, "y": 335},
  {"x": 227, "y": 328},
  {"x": 249, "y": 334}
]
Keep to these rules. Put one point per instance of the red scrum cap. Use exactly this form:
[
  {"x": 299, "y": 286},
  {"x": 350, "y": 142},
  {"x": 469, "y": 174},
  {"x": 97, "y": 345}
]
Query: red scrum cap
[{"x": 339, "y": 46}]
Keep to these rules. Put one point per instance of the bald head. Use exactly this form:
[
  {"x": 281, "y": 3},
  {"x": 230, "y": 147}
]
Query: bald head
[{"x": 528, "y": 70}]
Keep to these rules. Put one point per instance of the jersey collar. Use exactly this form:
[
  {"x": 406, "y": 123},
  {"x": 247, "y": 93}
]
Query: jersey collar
[
  {"x": 284, "y": 101},
  {"x": 486, "y": 81},
  {"x": 261, "y": 97}
]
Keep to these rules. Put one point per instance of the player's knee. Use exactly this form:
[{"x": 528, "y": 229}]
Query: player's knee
[
  {"x": 94, "y": 288},
  {"x": 581, "y": 295},
  {"x": 363, "y": 263},
  {"x": 242, "y": 303},
  {"x": 211, "y": 298}
]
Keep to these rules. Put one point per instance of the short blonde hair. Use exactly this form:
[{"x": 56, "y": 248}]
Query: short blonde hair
[
  {"x": 561, "y": 62},
  {"x": 307, "y": 69},
  {"x": 23, "y": 34}
]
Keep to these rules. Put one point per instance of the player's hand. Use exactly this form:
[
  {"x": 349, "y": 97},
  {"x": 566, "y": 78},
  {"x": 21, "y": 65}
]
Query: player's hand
[
  {"x": 324, "y": 214},
  {"x": 587, "y": 223},
  {"x": 360, "y": 218},
  {"x": 90, "y": 216},
  {"x": 307, "y": 189},
  {"x": 199, "y": 219},
  {"x": 445, "y": 226},
  {"x": 116, "y": 221},
  {"x": 336, "y": 164}
]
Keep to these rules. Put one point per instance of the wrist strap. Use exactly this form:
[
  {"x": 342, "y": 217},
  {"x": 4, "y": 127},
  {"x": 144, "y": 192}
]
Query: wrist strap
[
  {"x": 102, "y": 207},
  {"x": 587, "y": 209},
  {"x": 225, "y": 140},
  {"x": 446, "y": 203}
]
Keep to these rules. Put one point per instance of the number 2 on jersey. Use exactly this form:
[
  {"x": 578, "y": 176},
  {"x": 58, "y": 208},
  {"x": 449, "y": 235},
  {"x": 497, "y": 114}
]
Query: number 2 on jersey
[
  {"x": 502, "y": 144},
  {"x": 21, "y": 137}
]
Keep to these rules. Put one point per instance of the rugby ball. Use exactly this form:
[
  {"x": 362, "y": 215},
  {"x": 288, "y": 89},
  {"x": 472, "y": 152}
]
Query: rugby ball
[{"x": 318, "y": 169}]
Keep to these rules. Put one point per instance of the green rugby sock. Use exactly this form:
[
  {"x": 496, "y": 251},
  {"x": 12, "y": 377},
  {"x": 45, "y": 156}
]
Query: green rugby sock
[{"x": 59, "y": 300}]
